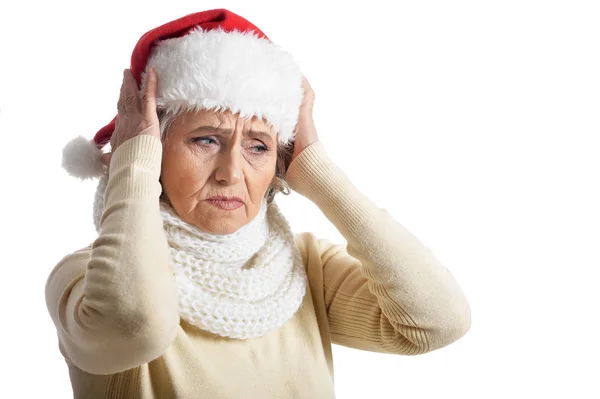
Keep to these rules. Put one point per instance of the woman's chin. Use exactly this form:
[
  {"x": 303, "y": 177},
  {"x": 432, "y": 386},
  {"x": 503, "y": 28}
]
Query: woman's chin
[
  {"x": 220, "y": 230},
  {"x": 222, "y": 222}
]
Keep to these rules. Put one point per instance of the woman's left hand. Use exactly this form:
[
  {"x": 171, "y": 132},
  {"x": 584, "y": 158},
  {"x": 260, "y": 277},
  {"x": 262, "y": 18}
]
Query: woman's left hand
[{"x": 306, "y": 133}]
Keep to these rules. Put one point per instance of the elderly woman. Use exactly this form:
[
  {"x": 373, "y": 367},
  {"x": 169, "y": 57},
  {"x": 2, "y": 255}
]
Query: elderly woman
[{"x": 195, "y": 286}]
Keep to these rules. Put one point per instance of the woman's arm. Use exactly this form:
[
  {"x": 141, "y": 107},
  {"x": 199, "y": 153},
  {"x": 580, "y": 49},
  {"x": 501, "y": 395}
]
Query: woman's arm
[
  {"x": 114, "y": 305},
  {"x": 385, "y": 291}
]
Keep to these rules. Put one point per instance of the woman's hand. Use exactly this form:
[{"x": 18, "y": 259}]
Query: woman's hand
[
  {"x": 135, "y": 116},
  {"x": 306, "y": 133}
]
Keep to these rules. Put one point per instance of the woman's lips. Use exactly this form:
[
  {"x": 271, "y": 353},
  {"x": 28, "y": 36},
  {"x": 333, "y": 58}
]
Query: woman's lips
[{"x": 227, "y": 205}]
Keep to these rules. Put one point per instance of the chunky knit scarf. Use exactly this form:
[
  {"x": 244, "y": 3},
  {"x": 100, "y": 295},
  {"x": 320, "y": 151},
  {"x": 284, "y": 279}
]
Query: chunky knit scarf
[{"x": 239, "y": 285}]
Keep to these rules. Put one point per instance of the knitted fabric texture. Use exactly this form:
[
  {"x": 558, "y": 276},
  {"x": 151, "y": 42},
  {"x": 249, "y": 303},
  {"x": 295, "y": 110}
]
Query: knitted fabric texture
[{"x": 240, "y": 285}]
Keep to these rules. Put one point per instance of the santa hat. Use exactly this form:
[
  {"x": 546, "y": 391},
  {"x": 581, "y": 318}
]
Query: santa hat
[{"x": 212, "y": 59}]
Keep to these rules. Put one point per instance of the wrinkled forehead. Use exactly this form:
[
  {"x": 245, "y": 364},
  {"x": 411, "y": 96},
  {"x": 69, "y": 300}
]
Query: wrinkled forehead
[{"x": 225, "y": 119}]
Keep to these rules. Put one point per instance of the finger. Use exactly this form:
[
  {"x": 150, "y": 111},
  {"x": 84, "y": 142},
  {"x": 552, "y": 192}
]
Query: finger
[
  {"x": 123, "y": 90},
  {"x": 113, "y": 136},
  {"x": 121, "y": 93},
  {"x": 129, "y": 102},
  {"x": 307, "y": 86},
  {"x": 149, "y": 95}
]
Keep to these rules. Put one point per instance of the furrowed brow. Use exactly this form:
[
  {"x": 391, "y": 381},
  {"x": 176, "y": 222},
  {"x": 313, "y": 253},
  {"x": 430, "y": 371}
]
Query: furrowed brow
[{"x": 228, "y": 132}]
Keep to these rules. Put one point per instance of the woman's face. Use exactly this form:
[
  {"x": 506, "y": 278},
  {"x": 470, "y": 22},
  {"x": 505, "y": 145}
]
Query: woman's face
[{"x": 209, "y": 153}]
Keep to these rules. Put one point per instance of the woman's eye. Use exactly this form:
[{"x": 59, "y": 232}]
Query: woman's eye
[
  {"x": 209, "y": 140},
  {"x": 261, "y": 148},
  {"x": 199, "y": 139}
]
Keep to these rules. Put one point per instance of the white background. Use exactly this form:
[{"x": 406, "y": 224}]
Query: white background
[{"x": 474, "y": 123}]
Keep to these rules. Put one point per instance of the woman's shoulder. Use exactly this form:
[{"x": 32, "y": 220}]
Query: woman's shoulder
[
  {"x": 305, "y": 241},
  {"x": 315, "y": 249}
]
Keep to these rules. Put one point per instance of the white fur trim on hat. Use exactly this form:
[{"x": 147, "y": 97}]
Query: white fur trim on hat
[{"x": 234, "y": 70}]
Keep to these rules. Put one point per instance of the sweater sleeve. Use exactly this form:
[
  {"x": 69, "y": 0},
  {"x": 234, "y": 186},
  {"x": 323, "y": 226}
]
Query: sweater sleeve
[
  {"x": 384, "y": 291},
  {"x": 114, "y": 304}
]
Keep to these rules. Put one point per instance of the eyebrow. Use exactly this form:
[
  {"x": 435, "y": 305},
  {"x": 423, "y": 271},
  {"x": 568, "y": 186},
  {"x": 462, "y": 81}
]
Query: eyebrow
[{"x": 229, "y": 132}]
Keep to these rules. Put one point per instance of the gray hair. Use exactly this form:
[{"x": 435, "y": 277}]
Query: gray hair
[{"x": 284, "y": 156}]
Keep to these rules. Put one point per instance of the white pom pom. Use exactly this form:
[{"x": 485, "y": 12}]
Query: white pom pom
[{"x": 81, "y": 158}]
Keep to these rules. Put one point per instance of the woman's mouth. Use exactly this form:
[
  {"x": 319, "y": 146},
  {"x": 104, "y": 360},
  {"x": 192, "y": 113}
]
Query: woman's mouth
[{"x": 226, "y": 205}]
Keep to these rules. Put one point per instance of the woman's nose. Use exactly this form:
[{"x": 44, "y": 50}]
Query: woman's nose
[{"x": 229, "y": 169}]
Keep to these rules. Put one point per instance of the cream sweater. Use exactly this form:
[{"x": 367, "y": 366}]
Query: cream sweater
[{"x": 114, "y": 303}]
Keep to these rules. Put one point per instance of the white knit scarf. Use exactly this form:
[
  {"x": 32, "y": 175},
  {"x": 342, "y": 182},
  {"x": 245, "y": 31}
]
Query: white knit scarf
[{"x": 239, "y": 285}]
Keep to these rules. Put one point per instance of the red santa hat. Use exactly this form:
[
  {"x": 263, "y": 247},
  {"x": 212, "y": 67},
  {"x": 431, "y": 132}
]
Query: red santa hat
[{"x": 212, "y": 59}]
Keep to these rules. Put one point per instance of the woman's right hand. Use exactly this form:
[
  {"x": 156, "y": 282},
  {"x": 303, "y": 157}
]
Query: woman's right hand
[{"x": 135, "y": 116}]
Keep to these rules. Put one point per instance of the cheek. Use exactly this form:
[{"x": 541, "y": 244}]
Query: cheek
[
  {"x": 182, "y": 172},
  {"x": 258, "y": 170},
  {"x": 263, "y": 175}
]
